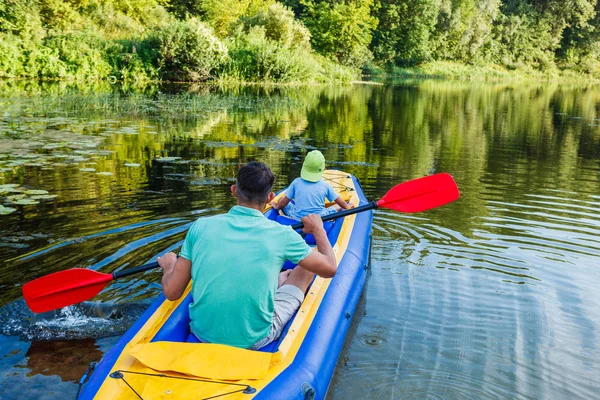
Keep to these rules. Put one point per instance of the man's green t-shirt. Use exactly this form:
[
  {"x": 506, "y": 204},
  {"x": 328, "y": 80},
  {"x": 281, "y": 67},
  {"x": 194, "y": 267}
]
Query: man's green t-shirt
[{"x": 236, "y": 259}]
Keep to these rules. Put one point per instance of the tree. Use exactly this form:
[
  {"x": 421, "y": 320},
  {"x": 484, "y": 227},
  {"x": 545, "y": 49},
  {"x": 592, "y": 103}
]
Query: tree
[
  {"x": 341, "y": 31},
  {"x": 404, "y": 36}
]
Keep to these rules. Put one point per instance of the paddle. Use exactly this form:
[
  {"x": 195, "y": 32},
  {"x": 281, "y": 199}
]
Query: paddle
[{"x": 75, "y": 285}]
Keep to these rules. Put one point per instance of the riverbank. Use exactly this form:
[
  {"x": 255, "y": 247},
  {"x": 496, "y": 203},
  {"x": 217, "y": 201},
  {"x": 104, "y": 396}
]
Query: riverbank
[{"x": 491, "y": 72}]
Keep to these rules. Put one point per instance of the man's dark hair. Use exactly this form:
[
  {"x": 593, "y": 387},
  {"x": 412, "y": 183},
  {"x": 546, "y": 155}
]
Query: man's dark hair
[{"x": 254, "y": 183}]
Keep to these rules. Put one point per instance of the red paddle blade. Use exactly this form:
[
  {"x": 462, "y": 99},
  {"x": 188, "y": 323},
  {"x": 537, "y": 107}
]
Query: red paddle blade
[
  {"x": 63, "y": 288},
  {"x": 421, "y": 194}
]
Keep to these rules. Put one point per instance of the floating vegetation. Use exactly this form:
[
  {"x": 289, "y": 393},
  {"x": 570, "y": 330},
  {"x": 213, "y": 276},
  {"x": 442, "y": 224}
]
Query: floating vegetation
[
  {"x": 9, "y": 188},
  {"x": 213, "y": 181},
  {"x": 44, "y": 197},
  {"x": 16, "y": 197},
  {"x": 36, "y": 192},
  {"x": 359, "y": 163},
  {"x": 26, "y": 202},
  {"x": 104, "y": 173},
  {"x": 6, "y": 210},
  {"x": 166, "y": 159},
  {"x": 87, "y": 169},
  {"x": 21, "y": 198},
  {"x": 134, "y": 165}
]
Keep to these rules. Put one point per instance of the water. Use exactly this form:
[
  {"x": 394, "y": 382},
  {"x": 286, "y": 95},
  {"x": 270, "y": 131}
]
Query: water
[{"x": 493, "y": 296}]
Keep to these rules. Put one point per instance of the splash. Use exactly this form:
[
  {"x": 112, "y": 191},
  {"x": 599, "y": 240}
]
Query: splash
[{"x": 85, "y": 320}]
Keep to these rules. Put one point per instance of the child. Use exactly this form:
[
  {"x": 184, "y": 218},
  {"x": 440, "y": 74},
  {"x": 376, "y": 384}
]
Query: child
[{"x": 309, "y": 191}]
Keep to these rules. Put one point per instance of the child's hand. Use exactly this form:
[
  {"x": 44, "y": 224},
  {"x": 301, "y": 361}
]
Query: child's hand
[
  {"x": 274, "y": 204},
  {"x": 350, "y": 205}
]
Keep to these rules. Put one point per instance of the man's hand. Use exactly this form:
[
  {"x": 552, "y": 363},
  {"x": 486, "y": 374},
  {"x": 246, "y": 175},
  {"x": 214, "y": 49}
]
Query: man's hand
[
  {"x": 274, "y": 204},
  {"x": 167, "y": 262},
  {"x": 177, "y": 273},
  {"x": 312, "y": 224}
]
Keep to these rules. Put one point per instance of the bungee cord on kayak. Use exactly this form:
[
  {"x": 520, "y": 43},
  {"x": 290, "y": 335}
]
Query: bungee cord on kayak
[{"x": 119, "y": 374}]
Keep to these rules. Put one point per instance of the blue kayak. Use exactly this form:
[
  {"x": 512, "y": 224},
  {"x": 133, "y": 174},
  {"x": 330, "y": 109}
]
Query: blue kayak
[{"x": 158, "y": 358}]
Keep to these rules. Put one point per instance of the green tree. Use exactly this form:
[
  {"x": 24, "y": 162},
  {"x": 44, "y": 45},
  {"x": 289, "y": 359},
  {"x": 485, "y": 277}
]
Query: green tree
[
  {"x": 464, "y": 29},
  {"x": 405, "y": 31},
  {"x": 341, "y": 31}
]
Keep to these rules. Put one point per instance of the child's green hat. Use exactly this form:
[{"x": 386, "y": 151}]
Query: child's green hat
[{"x": 313, "y": 166}]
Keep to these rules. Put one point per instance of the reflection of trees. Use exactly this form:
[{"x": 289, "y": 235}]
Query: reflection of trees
[{"x": 68, "y": 359}]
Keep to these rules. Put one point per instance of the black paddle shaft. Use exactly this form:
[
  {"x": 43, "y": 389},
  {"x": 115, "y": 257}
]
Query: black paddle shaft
[
  {"x": 120, "y": 274},
  {"x": 369, "y": 206}
]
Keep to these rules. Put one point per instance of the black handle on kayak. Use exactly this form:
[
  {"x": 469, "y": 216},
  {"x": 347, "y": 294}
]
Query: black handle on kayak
[
  {"x": 369, "y": 206},
  {"x": 141, "y": 268}
]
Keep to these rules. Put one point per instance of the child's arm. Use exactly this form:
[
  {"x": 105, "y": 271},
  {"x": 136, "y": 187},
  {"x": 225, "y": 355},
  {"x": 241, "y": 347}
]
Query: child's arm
[
  {"x": 340, "y": 202},
  {"x": 282, "y": 203}
]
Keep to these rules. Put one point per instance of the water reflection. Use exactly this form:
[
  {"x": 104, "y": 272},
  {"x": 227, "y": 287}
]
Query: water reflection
[
  {"x": 66, "y": 358},
  {"x": 493, "y": 296}
]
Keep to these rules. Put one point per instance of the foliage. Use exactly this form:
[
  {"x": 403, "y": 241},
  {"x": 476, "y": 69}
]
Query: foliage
[
  {"x": 271, "y": 46},
  {"x": 341, "y": 31},
  {"x": 280, "y": 26},
  {"x": 187, "y": 51},
  {"x": 147, "y": 40},
  {"x": 404, "y": 32},
  {"x": 222, "y": 14}
]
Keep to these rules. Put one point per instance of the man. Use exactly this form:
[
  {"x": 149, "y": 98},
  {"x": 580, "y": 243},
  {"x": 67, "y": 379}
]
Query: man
[{"x": 234, "y": 261}]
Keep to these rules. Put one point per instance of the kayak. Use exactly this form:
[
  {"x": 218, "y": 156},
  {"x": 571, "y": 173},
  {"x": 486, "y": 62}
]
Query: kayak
[{"x": 158, "y": 357}]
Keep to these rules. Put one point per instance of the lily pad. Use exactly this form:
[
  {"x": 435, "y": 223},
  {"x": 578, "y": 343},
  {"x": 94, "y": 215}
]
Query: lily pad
[
  {"x": 26, "y": 202},
  {"x": 15, "y": 197},
  {"x": 167, "y": 159},
  {"x": 87, "y": 169},
  {"x": 6, "y": 210},
  {"x": 8, "y": 187},
  {"x": 44, "y": 197},
  {"x": 36, "y": 192}
]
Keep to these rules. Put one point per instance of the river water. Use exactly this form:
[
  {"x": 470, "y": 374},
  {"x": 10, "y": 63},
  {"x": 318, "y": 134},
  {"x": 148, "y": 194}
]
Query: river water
[{"x": 493, "y": 296}]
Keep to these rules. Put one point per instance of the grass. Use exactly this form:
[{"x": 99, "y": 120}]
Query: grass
[{"x": 455, "y": 70}]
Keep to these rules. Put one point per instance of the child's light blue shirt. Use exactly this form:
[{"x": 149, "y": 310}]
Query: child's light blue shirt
[{"x": 310, "y": 197}]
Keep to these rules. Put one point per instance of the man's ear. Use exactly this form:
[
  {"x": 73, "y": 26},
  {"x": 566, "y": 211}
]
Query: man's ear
[
  {"x": 270, "y": 197},
  {"x": 233, "y": 190}
]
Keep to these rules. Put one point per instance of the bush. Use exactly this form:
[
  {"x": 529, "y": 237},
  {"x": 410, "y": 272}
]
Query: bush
[
  {"x": 133, "y": 61},
  {"x": 186, "y": 51},
  {"x": 256, "y": 58},
  {"x": 74, "y": 56},
  {"x": 280, "y": 26},
  {"x": 341, "y": 31},
  {"x": 11, "y": 56}
]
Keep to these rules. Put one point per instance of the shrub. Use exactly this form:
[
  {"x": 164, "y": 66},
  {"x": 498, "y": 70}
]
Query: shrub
[
  {"x": 280, "y": 26},
  {"x": 186, "y": 51},
  {"x": 11, "y": 56},
  {"x": 254, "y": 58},
  {"x": 74, "y": 56}
]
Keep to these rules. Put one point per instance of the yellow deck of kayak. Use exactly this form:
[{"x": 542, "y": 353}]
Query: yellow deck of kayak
[{"x": 213, "y": 362}]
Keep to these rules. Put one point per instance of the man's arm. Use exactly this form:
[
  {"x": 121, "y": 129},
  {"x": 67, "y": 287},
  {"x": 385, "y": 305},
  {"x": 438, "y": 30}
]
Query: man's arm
[
  {"x": 177, "y": 274},
  {"x": 323, "y": 261}
]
